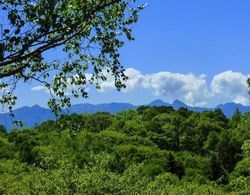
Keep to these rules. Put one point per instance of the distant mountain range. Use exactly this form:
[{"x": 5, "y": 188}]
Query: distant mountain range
[{"x": 34, "y": 115}]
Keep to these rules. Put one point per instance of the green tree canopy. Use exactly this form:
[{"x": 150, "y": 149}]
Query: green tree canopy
[{"x": 3, "y": 129}]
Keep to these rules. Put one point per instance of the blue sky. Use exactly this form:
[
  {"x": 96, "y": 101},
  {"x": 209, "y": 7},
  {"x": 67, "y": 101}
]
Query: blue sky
[{"x": 195, "y": 51}]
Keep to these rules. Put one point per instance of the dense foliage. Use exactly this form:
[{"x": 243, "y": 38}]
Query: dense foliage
[{"x": 151, "y": 150}]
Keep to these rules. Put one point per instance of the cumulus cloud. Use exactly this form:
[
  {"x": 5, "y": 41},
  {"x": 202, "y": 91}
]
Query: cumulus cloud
[
  {"x": 136, "y": 79},
  {"x": 192, "y": 89},
  {"x": 38, "y": 88},
  {"x": 231, "y": 85},
  {"x": 188, "y": 87}
]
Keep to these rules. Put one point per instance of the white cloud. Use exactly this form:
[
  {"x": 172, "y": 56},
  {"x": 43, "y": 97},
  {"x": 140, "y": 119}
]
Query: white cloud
[
  {"x": 244, "y": 100},
  {"x": 136, "y": 79},
  {"x": 192, "y": 89},
  {"x": 38, "y": 88},
  {"x": 231, "y": 85},
  {"x": 188, "y": 87},
  {"x": 107, "y": 85}
]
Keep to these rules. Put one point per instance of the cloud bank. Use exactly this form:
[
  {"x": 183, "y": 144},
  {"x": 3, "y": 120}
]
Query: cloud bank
[
  {"x": 232, "y": 85},
  {"x": 192, "y": 89}
]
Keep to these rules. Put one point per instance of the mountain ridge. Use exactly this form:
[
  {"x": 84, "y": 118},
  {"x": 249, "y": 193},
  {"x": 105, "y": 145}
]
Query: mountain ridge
[{"x": 33, "y": 115}]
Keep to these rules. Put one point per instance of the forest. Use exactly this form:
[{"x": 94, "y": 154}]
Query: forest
[{"x": 151, "y": 150}]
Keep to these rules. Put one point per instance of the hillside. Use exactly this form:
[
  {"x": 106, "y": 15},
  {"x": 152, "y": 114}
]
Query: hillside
[{"x": 150, "y": 150}]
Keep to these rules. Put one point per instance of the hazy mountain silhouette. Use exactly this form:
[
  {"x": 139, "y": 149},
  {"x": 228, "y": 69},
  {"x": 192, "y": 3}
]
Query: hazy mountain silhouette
[{"x": 35, "y": 114}]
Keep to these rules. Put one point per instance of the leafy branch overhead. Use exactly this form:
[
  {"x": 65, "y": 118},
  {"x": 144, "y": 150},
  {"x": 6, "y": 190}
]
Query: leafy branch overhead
[{"x": 88, "y": 33}]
